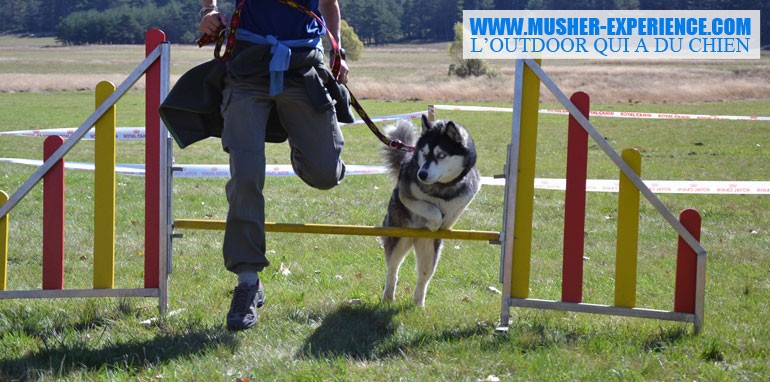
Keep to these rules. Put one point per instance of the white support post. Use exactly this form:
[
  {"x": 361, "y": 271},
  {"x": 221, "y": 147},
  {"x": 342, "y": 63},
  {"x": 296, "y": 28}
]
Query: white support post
[
  {"x": 509, "y": 209},
  {"x": 164, "y": 255}
]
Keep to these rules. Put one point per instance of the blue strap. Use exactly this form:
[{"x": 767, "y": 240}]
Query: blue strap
[
  {"x": 278, "y": 64},
  {"x": 281, "y": 51}
]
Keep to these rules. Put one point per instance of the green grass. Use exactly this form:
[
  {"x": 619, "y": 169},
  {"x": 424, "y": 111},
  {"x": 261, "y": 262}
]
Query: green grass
[{"x": 310, "y": 330}]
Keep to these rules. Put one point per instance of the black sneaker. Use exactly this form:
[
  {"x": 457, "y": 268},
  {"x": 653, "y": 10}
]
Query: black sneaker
[{"x": 243, "y": 308}]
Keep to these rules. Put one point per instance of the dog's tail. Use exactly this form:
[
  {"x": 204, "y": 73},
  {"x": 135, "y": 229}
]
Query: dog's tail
[{"x": 405, "y": 132}]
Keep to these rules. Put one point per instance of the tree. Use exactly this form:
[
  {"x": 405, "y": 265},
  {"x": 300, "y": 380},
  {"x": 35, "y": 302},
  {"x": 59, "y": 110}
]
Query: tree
[
  {"x": 511, "y": 4},
  {"x": 466, "y": 67},
  {"x": 20, "y": 16},
  {"x": 442, "y": 16},
  {"x": 413, "y": 20},
  {"x": 478, "y": 4},
  {"x": 350, "y": 41},
  {"x": 124, "y": 30},
  {"x": 431, "y": 19},
  {"x": 375, "y": 21}
]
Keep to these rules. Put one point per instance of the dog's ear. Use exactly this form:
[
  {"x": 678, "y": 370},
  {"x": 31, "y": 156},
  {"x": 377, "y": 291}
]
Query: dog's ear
[
  {"x": 454, "y": 133},
  {"x": 426, "y": 124}
]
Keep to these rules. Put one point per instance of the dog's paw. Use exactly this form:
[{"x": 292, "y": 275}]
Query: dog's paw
[{"x": 433, "y": 225}]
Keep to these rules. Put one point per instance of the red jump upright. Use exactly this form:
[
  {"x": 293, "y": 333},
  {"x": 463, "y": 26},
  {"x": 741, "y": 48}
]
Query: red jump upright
[
  {"x": 686, "y": 264},
  {"x": 152, "y": 218},
  {"x": 53, "y": 218},
  {"x": 575, "y": 204}
]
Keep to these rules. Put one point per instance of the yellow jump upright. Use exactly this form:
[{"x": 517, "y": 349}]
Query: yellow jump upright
[
  {"x": 4, "y": 244},
  {"x": 525, "y": 186},
  {"x": 104, "y": 191},
  {"x": 628, "y": 234}
]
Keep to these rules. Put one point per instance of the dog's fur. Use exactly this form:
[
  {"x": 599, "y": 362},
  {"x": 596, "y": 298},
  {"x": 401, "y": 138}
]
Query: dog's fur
[{"x": 434, "y": 185}]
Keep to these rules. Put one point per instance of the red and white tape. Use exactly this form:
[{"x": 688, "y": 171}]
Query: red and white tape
[
  {"x": 612, "y": 114},
  {"x": 656, "y": 186},
  {"x": 121, "y": 133},
  {"x": 138, "y": 133},
  {"x": 592, "y": 185},
  {"x": 197, "y": 170}
]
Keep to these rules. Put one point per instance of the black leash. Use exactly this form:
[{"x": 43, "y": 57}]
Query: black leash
[{"x": 392, "y": 143}]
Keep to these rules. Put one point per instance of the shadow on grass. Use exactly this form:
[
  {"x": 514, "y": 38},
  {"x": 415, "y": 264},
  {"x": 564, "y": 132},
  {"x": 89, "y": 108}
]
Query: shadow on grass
[
  {"x": 664, "y": 339},
  {"x": 366, "y": 332},
  {"x": 64, "y": 359},
  {"x": 351, "y": 331},
  {"x": 539, "y": 333}
]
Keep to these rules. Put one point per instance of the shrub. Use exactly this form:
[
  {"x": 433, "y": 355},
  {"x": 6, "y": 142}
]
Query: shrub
[
  {"x": 471, "y": 67},
  {"x": 350, "y": 41}
]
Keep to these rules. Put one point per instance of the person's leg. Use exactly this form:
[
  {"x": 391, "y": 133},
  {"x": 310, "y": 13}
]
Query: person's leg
[
  {"x": 245, "y": 114},
  {"x": 245, "y": 110},
  {"x": 315, "y": 137}
]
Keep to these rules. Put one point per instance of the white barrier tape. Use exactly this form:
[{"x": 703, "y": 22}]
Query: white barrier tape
[
  {"x": 138, "y": 133},
  {"x": 121, "y": 133},
  {"x": 656, "y": 186},
  {"x": 126, "y": 169},
  {"x": 198, "y": 170},
  {"x": 223, "y": 171},
  {"x": 644, "y": 115},
  {"x": 614, "y": 114},
  {"x": 592, "y": 185},
  {"x": 471, "y": 108},
  {"x": 393, "y": 117}
]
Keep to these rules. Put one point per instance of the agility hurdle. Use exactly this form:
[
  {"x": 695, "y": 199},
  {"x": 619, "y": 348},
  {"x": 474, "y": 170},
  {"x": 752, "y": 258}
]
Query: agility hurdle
[
  {"x": 517, "y": 220},
  {"x": 517, "y": 217},
  {"x": 519, "y": 204},
  {"x": 155, "y": 69},
  {"x": 342, "y": 229}
]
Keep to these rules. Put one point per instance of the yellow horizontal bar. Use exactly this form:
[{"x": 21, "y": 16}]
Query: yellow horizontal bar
[{"x": 335, "y": 229}]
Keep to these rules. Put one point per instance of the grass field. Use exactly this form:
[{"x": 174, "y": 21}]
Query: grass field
[{"x": 323, "y": 319}]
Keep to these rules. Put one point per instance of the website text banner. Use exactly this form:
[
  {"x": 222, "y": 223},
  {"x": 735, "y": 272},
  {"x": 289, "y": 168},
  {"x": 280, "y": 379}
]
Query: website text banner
[{"x": 613, "y": 35}]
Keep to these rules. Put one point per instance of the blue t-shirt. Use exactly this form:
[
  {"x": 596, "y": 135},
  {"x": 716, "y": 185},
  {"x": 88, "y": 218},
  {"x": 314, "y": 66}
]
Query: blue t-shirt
[{"x": 270, "y": 17}]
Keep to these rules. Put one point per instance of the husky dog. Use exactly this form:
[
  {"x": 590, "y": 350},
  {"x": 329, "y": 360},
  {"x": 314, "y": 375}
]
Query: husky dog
[{"x": 434, "y": 184}]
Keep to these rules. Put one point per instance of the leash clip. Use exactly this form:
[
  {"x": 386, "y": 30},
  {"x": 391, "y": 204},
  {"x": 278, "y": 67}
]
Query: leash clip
[{"x": 398, "y": 145}]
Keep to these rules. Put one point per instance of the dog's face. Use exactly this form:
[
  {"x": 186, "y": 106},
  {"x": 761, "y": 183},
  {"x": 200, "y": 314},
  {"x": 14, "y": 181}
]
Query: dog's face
[{"x": 443, "y": 153}]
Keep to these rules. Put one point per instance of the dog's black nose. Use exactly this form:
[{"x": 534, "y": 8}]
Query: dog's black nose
[{"x": 422, "y": 175}]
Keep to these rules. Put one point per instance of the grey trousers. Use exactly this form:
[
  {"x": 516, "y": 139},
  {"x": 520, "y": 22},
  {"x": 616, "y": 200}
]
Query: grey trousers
[{"x": 315, "y": 140}]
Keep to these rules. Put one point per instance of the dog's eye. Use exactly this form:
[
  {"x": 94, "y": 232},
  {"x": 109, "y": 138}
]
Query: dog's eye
[{"x": 441, "y": 156}]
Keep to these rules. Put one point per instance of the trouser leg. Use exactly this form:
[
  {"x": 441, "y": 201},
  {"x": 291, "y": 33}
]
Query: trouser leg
[
  {"x": 245, "y": 110},
  {"x": 316, "y": 143},
  {"x": 315, "y": 137}
]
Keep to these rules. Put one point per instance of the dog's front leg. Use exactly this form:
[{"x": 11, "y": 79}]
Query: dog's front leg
[
  {"x": 396, "y": 249},
  {"x": 427, "y": 253},
  {"x": 426, "y": 210},
  {"x": 454, "y": 212}
]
